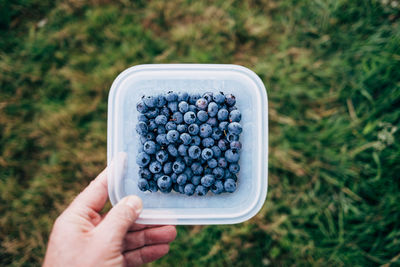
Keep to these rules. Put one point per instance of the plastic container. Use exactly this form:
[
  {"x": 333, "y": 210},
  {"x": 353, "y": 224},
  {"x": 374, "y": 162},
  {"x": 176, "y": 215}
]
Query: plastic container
[{"x": 122, "y": 142}]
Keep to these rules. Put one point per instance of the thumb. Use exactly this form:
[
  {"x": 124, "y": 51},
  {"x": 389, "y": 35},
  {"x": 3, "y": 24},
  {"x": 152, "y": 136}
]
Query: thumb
[{"x": 121, "y": 217}]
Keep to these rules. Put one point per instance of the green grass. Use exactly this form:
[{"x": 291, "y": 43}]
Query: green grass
[{"x": 331, "y": 69}]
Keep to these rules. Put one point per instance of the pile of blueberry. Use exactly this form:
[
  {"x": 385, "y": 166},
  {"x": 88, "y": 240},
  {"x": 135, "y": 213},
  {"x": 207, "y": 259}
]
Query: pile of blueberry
[{"x": 190, "y": 143}]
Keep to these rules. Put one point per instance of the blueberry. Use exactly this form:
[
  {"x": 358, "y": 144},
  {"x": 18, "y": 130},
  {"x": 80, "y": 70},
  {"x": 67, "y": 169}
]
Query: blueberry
[
  {"x": 193, "y": 129},
  {"x": 173, "y": 106},
  {"x": 177, "y": 117},
  {"x": 185, "y": 138},
  {"x": 144, "y": 173},
  {"x": 189, "y": 189},
  {"x": 143, "y": 184},
  {"x": 207, "y": 171},
  {"x": 175, "y": 187},
  {"x": 208, "y": 142},
  {"x": 230, "y": 185},
  {"x": 157, "y": 176},
  {"x": 196, "y": 140},
  {"x": 230, "y": 100},
  {"x": 223, "y": 126},
  {"x": 161, "y": 129},
  {"x": 153, "y": 186},
  {"x": 182, "y": 179},
  {"x": 155, "y": 167},
  {"x": 161, "y": 101},
  {"x": 150, "y": 101},
  {"x": 143, "y": 118},
  {"x": 234, "y": 168},
  {"x": 188, "y": 172},
  {"x": 219, "y": 98},
  {"x": 193, "y": 98},
  {"x": 230, "y": 109},
  {"x": 202, "y": 116},
  {"x": 151, "y": 114},
  {"x": 174, "y": 177},
  {"x": 152, "y": 125},
  {"x": 183, "y": 96},
  {"x": 213, "y": 122},
  {"x": 173, "y": 136},
  {"x": 181, "y": 128},
  {"x": 143, "y": 139},
  {"x": 212, "y": 163},
  {"x": 235, "y": 128},
  {"x": 170, "y": 126},
  {"x": 236, "y": 145},
  {"x": 150, "y": 147},
  {"x": 232, "y": 137},
  {"x": 188, "y": 161},
  {"x": 219, "y": 173},
  {"x": 183, "y": 107},
  {"x": 223, "y": 144},
  {"x": 202, "y": 103},
  {"x": 194, "y": 152},
  {"x": 161, "y": 120},
  {"x": 201, "y": 190},
  {"x": 223, "y": 114},
  {"x": 172, "y": 150},
  {"x": 192, "y": 108},
  {"x": 217, "y": 187},
  {"x": 232, "y": 156},
  {"x": 212, "y": 109},
  {"x": 208, "y": 96},
  {"x": 197, "y": 168},
  {"x": 141, "y": 107},
  {"x": 196, "y": 180},
  {"x": 170, "y": 96},
  {"x": 222, "y": 163},
  {"x": 216, "y": 134},
  {"x": 178, "y": 166},
  {"x": 217, "y": 152},
  {"x": 207, "y": 154},
  {"x": 162, "y": 156},
  {"x": 207, "y": 180},
  {"x": 167, "y": 168},
  {"x": 189, "y": 117},
  {"x": 182, "y": 150},
  {"x": 235, "y": 116},
  {"x": 205, "y": 130},
  {"x": 229, "y": 175},
  {"x": 142, "y": 159},
  {"x": 165, "y": 111},
  {"x": 165, "y": 183},
  {"x": 142, "y": 128},
  {"x": 150, "y": 136}
]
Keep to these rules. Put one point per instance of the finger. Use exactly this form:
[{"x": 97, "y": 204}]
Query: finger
[
  {"x": 138, "y": 227},
  {"x": 95, "y": 195},
  {"x": 145, "y": 254},
  {"x": 120, "y": 218},
  {"x": 150, "y": 236}
]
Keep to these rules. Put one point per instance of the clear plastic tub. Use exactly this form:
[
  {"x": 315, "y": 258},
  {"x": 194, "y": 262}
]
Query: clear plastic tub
[{"x": 122, "y": 142}]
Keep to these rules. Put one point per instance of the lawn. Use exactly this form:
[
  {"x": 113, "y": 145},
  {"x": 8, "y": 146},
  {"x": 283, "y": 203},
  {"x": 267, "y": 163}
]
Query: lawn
[{"x": 332, "y": 73}]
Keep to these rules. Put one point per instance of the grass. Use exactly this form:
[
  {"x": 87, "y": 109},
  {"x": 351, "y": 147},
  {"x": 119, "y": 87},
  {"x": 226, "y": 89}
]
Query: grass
[{"x": 331, "y": 69}]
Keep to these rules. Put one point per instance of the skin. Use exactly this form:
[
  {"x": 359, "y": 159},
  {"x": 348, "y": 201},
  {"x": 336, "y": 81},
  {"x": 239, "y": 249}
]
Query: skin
[{"x": 81, "y": 236}]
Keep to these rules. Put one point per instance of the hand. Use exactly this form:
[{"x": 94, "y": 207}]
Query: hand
[{"x": 83, "y": 237}]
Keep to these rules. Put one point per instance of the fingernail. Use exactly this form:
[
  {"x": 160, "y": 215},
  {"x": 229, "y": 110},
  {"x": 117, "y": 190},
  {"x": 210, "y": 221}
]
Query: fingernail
[{"x": 134, "y": 202}]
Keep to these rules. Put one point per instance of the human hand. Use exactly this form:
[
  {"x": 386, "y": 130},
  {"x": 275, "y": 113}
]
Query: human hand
[{"x": 81, "y": 236}]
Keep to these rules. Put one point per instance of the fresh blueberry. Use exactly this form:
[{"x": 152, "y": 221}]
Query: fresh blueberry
[
  {"x": 193, "y": 98},
  {"x": 182, "y": 179},
  {"x": 219, "y": 173},
  {"x": 230, "y": 109},
  {"x": 173, "y": 136},
  {"x": 161, "y": 101},
  {"x": 219, "y": 98},
  {"x": 165, "y": 111},
  {"x": 161, "y": 120},
  {"x": 153, "y": 186},
  {"x": 183, "y": 107},
  {"x": 212, "y": 163},
  {"x": 172, "y": 150},
  {"x": 207, "y": 180},
  {"x": 202, "y": 116},
  {"x": 196, "y": 180},
  {"x": 157, "y": 176},
  {"x": 197, "y": 168},
  {"x": 222, "y": 163},
  {"x": 208, "y": 96},
  {"x": 161, "y": 129},
  {"x": 143, "y": 184},
  {"x": 202, "y": 103},
  {"x": 235, "y": 116},
  {"x": 223, "y": 114},
  {"x": 217, "y": 187},
  {"x": 235, "y": 128},
  {"x": 150, "y": 147},
  {"x": 223, "y": 126},
  {"x": 182, "y": 150},
  {"x": 155, "y": 167},
  {"x": 144, "y": 173},
  {"x": 170, "y": 96},
  {"x": 230, "y": 185},
  {"x": 183, "y": 96},
  {"x": 141, "y": 107},
  {"x": 232, "y": 137},
  {"x": 196, "y": 140},
  {"x": 152, "y": 125},
  {"x": 217, "y": 152},
  {"x": 223, "y": 144},
  {"x": 174, "y": 177},
  {"x": 194, "y": 152},
  {"x": 143, "y": 139},
  {"x": 178, "y": 166},
  {"x": 207, "y": 154},
  {"x": 193, "y": 129},
  {"x": 188, "y": 172},
  {"x": 175, "y": 187},
  {"x": 192, "y": 108},
  {"x": 229, "y": 175},
  {"x": 152, "y": 113},
  {"x": 181, "y": 128},
  {"x": 150, "y": 101},
  {"x": 143, "y": 118},
  {"x": 213, "y": 122},
  {"x": 236, "y": 145},
  {"x": 234, "y": 168},
  {"x": 216, "y": 134},
  {"x": 142, "y": 159},
  {"x": 205, "y": 130},
  {"x": 150, "y": 136},
  {"x": 185, "y": 138},
  {"x": 201, "y": 190},
  {"x": 232, "y": 156},
  {"x": 173, "y": 106},
  {"x": 142, "y": 128},
  {"x": 208, "y": 142},
  {"x": 207, "y": 171},
  {"x": 167, "y": 168},
  {"x": 170, "y": 126},
  {"x": 212, "y": 109},
  {"x": 189, "y": 117},
  {"x": 189, "y": 189},
  {"x": 230, "y": 100},
  {"x": 177, "y": 117},
  {"x": 162, "y": 156},
  {"x": 188, "y": 161},
  {"x": 165, "y": 183}
]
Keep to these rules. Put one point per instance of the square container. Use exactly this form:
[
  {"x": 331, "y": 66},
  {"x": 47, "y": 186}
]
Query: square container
[{"x": 123, "y": 142}]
